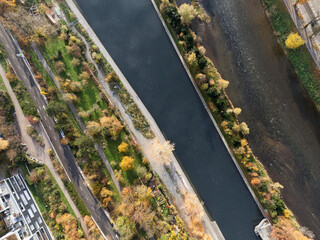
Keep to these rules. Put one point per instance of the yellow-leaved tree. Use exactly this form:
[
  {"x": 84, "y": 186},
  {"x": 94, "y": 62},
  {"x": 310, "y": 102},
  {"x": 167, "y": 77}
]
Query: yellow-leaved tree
[
  {"x": 187, "y": 12},
  {"x": 294, "y": 41},
  {"x": 3, "y": 144},
  {"x": 123, "y": 147},
  {"x": 127, "y": 163}
]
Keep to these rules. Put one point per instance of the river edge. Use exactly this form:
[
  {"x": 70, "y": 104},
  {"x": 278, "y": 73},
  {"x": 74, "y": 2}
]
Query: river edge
[
  {"x": 294, "y": 221},
  {"x": 267, "y": 158},
  {"x": 206, "y": 105},
  {"x": 179, "y": 184},
  {"x": 270, "y": 14}
]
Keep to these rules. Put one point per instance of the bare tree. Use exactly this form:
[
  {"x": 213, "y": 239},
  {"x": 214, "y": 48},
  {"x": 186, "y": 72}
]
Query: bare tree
[{"x": 161, "y": 152}]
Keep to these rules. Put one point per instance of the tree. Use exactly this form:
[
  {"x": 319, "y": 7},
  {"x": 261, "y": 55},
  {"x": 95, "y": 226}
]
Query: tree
[
  {"x": 70, "y": 225},
  {"x": 192, "y": 206},
  {"x": 187, "y": 13},
  {"x": 192, "y": 59},
  {"x": 127, "y": 163},
  {"x": 84, "y": 76},
  {"x": 112, "y": 124},
  {"x": 161, "y": 152},
  {"x": 125, "y": 227},
  {"x": 71, "y": 97},
  {"x": 106, "y": 196},
  {"x": 244, "y": 128},
  {"x": 223, "y": 84},
  {"x": 237, "y": 111},
  {"x": 136, "y": 205},
  {"x": 236, "y": 128},
  {"x": 3, "y": 144},
  {"x": 26, "y": 27},
  {"x": 123, "y": 147},
  {"x": 284, "y": 230},
  {"x": 85, "y": 145},
  {"x": 294, "y": 41},
  {"x": 55, "y": 108},
  {"x": 76, "y": 87},
  {"x": 60, "y": 67},
  {"x": 94, "y": 128},
  {"x": 75, "y": 62},
  {"x": 164, "y": 5},
  {"x": 174, "y": 16},
  {"x": 141, "y": 171}
]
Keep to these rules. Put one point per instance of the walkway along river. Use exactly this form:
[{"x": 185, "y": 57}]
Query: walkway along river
[
  {"x": 134, "y": 36},
  {"x": 284, "y": 123}
]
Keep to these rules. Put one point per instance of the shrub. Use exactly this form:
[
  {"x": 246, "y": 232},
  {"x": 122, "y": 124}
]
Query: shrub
[{"x": 60, "y": 67}]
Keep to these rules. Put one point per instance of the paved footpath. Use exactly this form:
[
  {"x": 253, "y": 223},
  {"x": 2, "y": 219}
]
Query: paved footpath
[
  {"x": 177, "y": 183},
  {"x": 36, "y": 151}
]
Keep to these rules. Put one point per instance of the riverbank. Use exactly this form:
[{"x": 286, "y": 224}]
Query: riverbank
[
  {"x": 300, "y": 58},
  {"x": 225, "y": 120},
  {"x": 240, "y": 41}
]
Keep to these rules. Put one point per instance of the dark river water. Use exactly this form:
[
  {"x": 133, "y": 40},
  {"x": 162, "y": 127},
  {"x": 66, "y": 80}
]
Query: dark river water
[
  {"x": 284, "y": 123},
  {"x": 134, "y": 36}
]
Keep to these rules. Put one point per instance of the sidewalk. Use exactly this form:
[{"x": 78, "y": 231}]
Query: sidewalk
[
  {"x": 36, "y": 151},
  {"x": 177, "y": 184}
]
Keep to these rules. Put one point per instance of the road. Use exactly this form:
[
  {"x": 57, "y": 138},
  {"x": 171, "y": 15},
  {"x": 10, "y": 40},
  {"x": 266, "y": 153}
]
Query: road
[{"x": 63, "y": 152}]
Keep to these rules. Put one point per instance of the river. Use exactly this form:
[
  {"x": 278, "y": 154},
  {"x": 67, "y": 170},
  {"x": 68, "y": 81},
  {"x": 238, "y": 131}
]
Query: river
[
  {"x": 284, "y": 123},
  {"x": 134, "y": 36}
]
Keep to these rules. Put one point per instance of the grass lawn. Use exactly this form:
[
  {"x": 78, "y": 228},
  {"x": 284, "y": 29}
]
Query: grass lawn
[
  {"x": 113, "y": 154},
  {"x": 2, "y": 86},
  {"x": 90, "y": 93}
]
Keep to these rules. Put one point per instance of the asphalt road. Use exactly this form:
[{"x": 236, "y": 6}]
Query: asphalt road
[{"x": 63, "y": 152}]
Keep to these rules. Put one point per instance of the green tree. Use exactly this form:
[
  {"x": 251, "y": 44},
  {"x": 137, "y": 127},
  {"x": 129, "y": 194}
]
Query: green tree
[
  {"x": 55, "y": 108},
  {"x": 174, "y": 16},
  {"x": 85, "y": 145},
  {"x": 125, "y": 227}
]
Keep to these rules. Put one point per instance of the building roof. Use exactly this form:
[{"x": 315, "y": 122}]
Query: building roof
[{"x": 20, "y": 212}]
